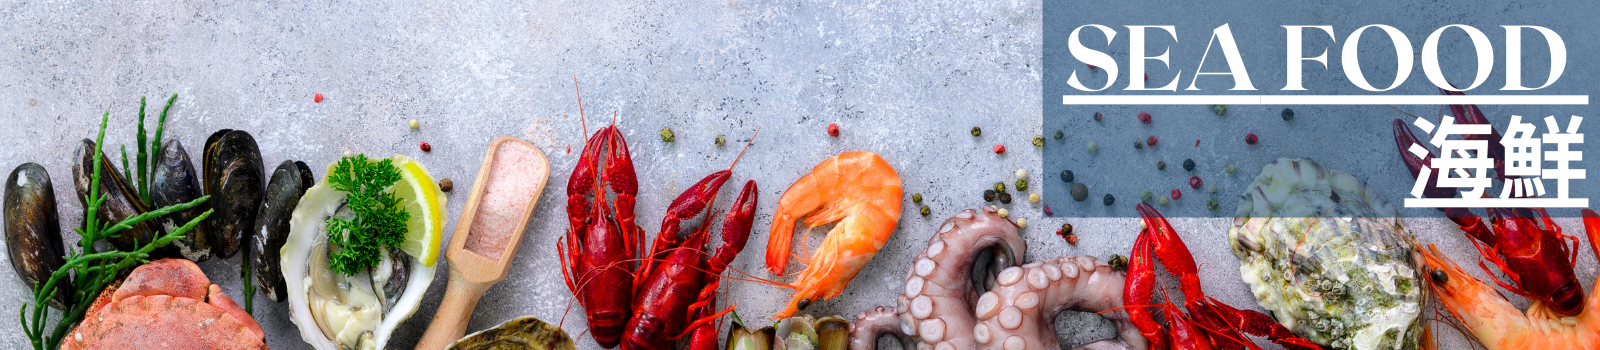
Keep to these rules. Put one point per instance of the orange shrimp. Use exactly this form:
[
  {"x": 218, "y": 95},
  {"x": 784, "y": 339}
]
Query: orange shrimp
[
  {"x": 861, "y": 192},
  {"x": 1500, "y": 325}
]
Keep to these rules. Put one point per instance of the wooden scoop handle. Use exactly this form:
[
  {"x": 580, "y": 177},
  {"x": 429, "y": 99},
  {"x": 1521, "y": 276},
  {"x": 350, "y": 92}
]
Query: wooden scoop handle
[{"x": 450, "y": 322}]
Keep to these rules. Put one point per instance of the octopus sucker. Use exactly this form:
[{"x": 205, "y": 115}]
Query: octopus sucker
[{"x": 945, "y": 306}]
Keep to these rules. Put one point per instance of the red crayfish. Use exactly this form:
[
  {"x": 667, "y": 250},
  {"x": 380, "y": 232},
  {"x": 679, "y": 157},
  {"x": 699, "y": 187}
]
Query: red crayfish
[
  {"x": 649, "y": 301},
  {"x": 1209, "y": 323},
  {"x": 1537, "y": 260}
]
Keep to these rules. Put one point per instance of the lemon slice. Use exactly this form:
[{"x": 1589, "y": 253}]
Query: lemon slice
[{"x": 420, "y": 196}]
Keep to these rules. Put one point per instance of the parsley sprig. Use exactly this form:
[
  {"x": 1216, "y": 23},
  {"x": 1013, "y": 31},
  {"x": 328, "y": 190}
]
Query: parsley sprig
[{"x": 379, "y": 220}]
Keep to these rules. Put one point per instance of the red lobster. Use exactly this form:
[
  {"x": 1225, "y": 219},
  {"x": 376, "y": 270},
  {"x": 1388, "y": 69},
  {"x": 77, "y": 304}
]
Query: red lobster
[
  {"x": 1210, "y": 323},
  {"x": 1537, "y": 260}
]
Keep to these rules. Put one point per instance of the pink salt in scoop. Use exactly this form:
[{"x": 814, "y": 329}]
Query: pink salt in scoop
[{"x": 509, "y": 183}]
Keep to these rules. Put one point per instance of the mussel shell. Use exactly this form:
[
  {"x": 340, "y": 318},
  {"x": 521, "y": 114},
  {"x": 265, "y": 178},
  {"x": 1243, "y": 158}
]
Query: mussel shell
[
  {"x": 33, "y": 230},
  {"x": 121, "y": 202},
  {"x": 289, "y": 183},
  {"x": 174, "y": 182},
  {"x": 233, "y": 179},
  {"x": 519, "y": 333}
]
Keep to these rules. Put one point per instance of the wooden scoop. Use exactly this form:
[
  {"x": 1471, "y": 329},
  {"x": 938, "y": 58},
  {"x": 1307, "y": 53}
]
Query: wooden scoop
[{"x": 509, "y": 183}]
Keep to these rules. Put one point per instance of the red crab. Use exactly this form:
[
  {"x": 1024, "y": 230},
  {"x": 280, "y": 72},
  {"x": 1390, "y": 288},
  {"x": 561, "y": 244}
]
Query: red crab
[{"x": 167, "y": 304}]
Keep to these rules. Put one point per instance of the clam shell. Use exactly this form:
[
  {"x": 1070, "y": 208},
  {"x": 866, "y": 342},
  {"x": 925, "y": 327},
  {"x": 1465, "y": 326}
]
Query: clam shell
[
  {"x": 120, "y": 200},
  {"x": 33, "y": 230},
  {"x": 174, "y": 182},
  {"x": 289, "y": 182},
  {"x": 233, "y": 179},
  {"x": 520, "y": 333}
]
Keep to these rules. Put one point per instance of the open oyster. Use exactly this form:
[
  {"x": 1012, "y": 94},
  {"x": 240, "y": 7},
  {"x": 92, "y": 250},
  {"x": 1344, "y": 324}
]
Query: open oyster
[
  {"x": 338, "y": 311},
  {"x": 1328, "y": 258}
]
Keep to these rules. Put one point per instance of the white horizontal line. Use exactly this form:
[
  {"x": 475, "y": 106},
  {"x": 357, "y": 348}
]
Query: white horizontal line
[
  {"x": 1324, "y": 99},
  {"x": 1497, "y": 202}
]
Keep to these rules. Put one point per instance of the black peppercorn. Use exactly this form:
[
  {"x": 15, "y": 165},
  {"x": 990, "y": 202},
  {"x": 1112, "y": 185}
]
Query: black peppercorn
[
  {"x": 1288, "y": 114},
  {"x": 988, "y": 195},
  {"x": 1060, "y": 135},
  {"x": 1110, "y": 200},
  {"x": 1188, "y": 165},
  {"x": 1066, "y": 176},
  {"x": 1005, "y": 197},
  {"x": 1161, "y": 165}
]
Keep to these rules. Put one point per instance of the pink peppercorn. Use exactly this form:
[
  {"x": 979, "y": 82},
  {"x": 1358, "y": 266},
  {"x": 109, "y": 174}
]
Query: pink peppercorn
[
  {"x": 1144, "y": 117},
  {"x": 316, "y": 98},
  {"x": 1177, "y": 194},
  {"x": 1250, "y": 139},
  {"x": 999, "y": 149},
  {"x": 833, "y": 130},
  {"x": 426, "y": 147},
  {"x": 1194, "y": 182},
  {"x": 1150, "y": 141}
]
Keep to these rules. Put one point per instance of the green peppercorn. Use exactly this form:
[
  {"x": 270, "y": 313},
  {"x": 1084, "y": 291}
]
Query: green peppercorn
[
  {"x": 1060, "y": 135},
  {"x": 1212, "y": 204},
  {"x": 1094, "y": 147},
  {"x": 1219, "y": 109},
  {"x": 1080, "y": 192},
  {"x": 1230, "y": 169},
  {"x": 1164, "y": 200},
  {"x": 1038, "y": 140},
  {"x": 1211, "y": 188},
  {"x": 916, "y": 198},
  {"x": 1188, "y": 165},
  {"x": 1138, "y": 144},
  {"x": 999, "y": 187},
  {"x": 1288, "y": 114},
  {"x": 1145, "y": 196},
  {"x": 1022, "y": 185},
  {"x": 1161, "y": 165},
  {"x": 976, "y": 131},
  {"x": 1005, "y": 197},
  {"x": 1118, "y": 262},
  {"x": 1110, "y": 200},
  {"x": 988, "y": 195},
  {"x": 926, "y": 211},
  {"x": 1066, "y": 176},
  {"x": 667, "y": 136},
  {"x": 721, "y": 141}
]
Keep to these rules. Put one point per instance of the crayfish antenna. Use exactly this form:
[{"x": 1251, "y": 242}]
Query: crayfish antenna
[
  {"x": 747, "y": 144},
  {"x": 581, "y": 120}
]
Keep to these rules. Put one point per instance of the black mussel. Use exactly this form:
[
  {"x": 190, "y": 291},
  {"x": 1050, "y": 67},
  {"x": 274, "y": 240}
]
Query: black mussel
[
  {"x": 121, "y": 202},
  {"x": 233, "y": 178},
  {"x": 33, "y": 230},
  {"x": 289, "y": 182},
  {"x": 174, "y": 182}
]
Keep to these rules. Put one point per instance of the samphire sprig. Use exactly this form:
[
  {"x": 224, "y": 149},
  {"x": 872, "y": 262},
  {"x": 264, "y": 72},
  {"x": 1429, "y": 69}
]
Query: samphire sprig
[
  {"x": 379, "y": 221},
  {"x": 90, "y": 271}
]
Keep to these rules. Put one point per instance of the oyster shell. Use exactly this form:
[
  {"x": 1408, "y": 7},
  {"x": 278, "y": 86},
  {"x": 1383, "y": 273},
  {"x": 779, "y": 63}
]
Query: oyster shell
[
  {"x": 522, "y": 333},
  {"x": 1328, "y": 258},
  {"x": 335, "y": 311}
]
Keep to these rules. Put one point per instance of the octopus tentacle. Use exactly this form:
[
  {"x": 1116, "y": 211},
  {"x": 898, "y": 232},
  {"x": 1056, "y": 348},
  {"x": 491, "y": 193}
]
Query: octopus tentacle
[
  {"x": 939, "y": 295},
  {"x": 1020, "y": 313},
  {"x": 874, "y": 324}
]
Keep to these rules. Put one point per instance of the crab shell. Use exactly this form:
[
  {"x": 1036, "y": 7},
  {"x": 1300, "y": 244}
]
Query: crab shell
[
  {"x": 168, "y": 305},
  {"x": 306, "y": 230}
]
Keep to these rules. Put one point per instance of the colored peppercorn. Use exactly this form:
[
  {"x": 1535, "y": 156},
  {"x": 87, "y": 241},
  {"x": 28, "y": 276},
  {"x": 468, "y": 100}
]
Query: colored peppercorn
[
  {"x": 1144, "y": 117},
  {"x": 1005, "y": 197},
  {"x": 1022, "y": 185},
  {"x": 1003, "y": 213},
  {"x": 999, "y": 187},
  {"x": 977, "y": 131},
  {"x": 1164, "y": 201},
  {"x": 1231, "y": 169},
  {"x": 1080, "y": 192},
  {"x": 1288, "y": 114},
  {"x": 1219, "y": 109},
  {"x": 1066, "y": 229},
  {"x": 926, "y": 211},
  {"x": 314, "y": 98},
  {"x": 916, "y": 198},
  {"x": 999, "y": 149},
  {"x": 446, "y": 185},
  {"x": 1071, "y": 239},
  {"x": 721, "y": 141},
  {"x": 1188, "y": 165},
  {"x": 1038, "y": 140},
  {"x": 1150, "y": 141},
  {"x": 1021, "y": 222},
  {"x": 1060, "y": 135},
  {"x": 1048, "y": 212},
  {"x": 1161, "y": 165},
  {"x": 1066, "y": 176},
  {"x": 426, "y": 147},
  {"x": 1145, "y": 196},
  {"x": 1176, "y": 194},
  {"x": 1034, "y": 198},
  {"x": 414, "y": 124},
  {"x": 1138, "y": 144},
  {"x": 1109, "y": 200},
  {"x": 988, "y": 195},
  {"x": 667, "y": 135},
  {"x": 1194, "y": 182},
  {"x": 833, "y": 129},
  {"x": 1096, "y": 116},
  {"x": 1118, "y": 262},
  {"x": 1250, "y": 139},
  {"x": 1211, "y": 188},
  {"x": 1022, "y": 173},
  {"x": 1211, "y": 204},
  {"x": 1094, "y": 147}
]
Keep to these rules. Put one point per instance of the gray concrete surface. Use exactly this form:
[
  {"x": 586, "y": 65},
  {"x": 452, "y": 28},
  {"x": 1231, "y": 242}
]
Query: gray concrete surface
[{"x": 904, "y": 80}]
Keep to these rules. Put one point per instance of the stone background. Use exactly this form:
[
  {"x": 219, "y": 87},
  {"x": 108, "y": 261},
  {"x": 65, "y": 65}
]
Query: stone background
[{"x": 904, "y": 80}]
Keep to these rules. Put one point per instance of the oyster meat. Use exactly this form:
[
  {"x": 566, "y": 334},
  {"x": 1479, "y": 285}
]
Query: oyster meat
[
  {"x": 1328, "y": 258},
  {"x": 335, "y": 311},
  {"x": 522, "y": 333}
]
